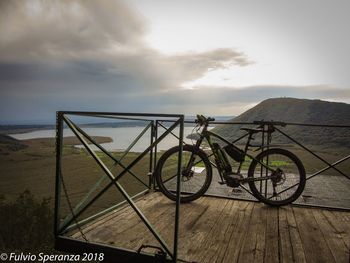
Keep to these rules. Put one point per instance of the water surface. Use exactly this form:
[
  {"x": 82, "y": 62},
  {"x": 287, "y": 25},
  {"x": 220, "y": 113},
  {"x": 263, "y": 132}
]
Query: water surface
[{"x": 122, "y": 137}]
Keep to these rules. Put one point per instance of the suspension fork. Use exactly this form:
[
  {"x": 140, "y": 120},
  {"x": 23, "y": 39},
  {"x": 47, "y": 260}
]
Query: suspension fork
[{"x": 193, "y": 158}]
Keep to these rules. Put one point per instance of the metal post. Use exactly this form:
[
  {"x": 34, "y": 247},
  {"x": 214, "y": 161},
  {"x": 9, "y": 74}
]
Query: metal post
[
  {"x": 59, "y": 138},
  {"x": 178, "y": 189},
  {"x": 262, "y": 148},
  {"x": 155, "y": 153},
  {"x": 151, "y": 168}
]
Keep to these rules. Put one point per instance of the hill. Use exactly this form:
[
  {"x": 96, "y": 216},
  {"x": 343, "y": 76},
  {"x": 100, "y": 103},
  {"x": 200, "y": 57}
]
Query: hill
[
  {"x": 304, "y": 111},
  {"x": 10, "y": 143}
]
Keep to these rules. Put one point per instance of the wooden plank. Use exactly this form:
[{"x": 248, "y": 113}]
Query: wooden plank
[
  {"x": 254, "y": 246},
  {"x": 190, "y": 242},
  {"x": 216, "y": 238},
  {"x": 114, "y": 215},
  {"x": 102, "y": 221},
  {"x": 223, "y": 230},
  {"x": 236, "y": 211},
  {"x": 136, "y": 235},
  {"x": 285, "y": 248},
  {"x": 166, "y": 223},
  {"x": 334, "y": 241},
  {"x": 342, "y": 224},
  {"x": 272, "y": 235},
  {"x": 290, "y": 246},
  {"x": 113, "y": 229},
  {"x": 239, "y": 230},
  {"x": 314, "y": 244}
]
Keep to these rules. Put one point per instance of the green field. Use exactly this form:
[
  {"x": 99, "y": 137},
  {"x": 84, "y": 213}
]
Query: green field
[
  {"x": 27, "y": 188},
  {"x": 33, "y": 169}
]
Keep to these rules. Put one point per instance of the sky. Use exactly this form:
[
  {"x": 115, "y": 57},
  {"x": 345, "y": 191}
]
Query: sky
[{"x": 195, "y": 56}]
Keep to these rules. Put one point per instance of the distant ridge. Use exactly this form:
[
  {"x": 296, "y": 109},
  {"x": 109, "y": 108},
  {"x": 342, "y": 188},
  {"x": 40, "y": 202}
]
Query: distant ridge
[
  {"x": 299, "y": 111},
  {"x": 11, "y": 143}
]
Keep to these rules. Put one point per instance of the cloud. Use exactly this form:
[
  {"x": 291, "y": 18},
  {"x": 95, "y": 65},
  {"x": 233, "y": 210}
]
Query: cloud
[
  {"x": 104, "y": 37},
  {"x": 220, "y": 100},
  {"x": 190, "y": 66},
  {"x": 65, "y": 30}
]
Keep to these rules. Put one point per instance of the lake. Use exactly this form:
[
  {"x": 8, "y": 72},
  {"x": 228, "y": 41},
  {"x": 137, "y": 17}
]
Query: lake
[{"x": 122, "y": 137}]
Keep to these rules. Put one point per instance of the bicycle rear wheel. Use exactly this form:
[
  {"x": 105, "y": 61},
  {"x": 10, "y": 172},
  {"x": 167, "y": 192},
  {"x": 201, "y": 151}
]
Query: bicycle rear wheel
[
  {"x": 195, "y": 178},
  {"x": 288, "y": 180}
]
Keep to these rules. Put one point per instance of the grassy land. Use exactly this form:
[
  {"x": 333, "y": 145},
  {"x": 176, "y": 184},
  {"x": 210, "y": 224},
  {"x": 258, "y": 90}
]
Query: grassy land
[
  {"x": 27, "y": 176},
  {"x": 33, "y": 168}
]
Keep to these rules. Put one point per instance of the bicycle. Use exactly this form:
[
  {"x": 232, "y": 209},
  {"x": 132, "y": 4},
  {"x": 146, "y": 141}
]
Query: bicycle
[{"x": 270, "y": 175}]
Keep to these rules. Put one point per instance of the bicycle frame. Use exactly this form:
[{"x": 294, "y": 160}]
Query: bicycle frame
[{"x": 206, "y": 134}]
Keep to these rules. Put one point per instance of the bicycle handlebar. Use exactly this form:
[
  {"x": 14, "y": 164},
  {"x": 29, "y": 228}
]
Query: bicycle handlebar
[{"x": 202, "y": 120}]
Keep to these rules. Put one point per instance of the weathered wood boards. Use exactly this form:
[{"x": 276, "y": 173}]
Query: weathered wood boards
[{"x": 223, "y": 230}]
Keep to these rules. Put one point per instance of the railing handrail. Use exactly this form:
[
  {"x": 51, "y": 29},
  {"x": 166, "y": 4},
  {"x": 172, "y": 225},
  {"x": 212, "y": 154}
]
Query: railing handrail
[{"x": 277, "y": 123}]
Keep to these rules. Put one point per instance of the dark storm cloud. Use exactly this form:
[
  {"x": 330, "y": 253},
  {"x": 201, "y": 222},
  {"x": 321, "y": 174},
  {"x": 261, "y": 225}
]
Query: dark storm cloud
[
  {"x": 43, "y": 30},
  {"x": 103, "y": 33},
  {"x": 79, "y": 55}
]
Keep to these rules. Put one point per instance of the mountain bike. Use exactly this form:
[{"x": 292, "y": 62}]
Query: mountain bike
[{"x": 275, "y": 176}]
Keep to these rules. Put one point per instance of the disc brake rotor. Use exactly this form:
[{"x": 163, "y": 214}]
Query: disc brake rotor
[{"x": 280, "y": 177}]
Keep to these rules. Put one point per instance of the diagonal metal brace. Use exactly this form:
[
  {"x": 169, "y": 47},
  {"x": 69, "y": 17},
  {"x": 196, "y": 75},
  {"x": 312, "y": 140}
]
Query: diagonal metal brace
[
  {"x": 317, "y": 173},
  {"x": 314, "y": 154},
  {"x": 115, "y": 179},
  {"x": 80, "y": 204},
  {"x": 110, "y": 155}
]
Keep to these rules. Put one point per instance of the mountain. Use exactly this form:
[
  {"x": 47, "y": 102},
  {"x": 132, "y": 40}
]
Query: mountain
[
  {"x": 291, "y": 110},
  {"x": 9, "y": 143}
]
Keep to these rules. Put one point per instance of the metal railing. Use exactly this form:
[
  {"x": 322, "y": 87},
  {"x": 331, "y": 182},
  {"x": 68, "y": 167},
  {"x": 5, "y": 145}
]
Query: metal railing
[
  {"x": 159, "y": 126},
  {"x": 70, "y": 222},
  {"x": 266, "y": 141}
]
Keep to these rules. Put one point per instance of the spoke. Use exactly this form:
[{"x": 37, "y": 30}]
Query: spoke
[
  {"x": 194, "y": 164},
  {"x": 167, "y": 180}
]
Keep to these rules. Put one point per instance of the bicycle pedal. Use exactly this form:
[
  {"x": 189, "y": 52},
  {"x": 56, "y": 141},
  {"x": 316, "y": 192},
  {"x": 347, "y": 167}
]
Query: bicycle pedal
[{"x": 222, "y": 183}]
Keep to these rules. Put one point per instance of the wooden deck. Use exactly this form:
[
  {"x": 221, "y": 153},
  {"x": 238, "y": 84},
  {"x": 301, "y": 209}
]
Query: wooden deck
[{"x": 224, "y": 230}]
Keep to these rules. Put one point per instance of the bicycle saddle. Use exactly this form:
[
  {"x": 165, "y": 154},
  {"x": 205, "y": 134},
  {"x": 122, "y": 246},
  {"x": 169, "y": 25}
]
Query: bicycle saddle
[{"x": 251, "y": 130}]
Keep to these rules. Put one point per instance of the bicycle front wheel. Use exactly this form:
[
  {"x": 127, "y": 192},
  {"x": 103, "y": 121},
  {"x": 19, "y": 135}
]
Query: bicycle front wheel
[
  {"x": 196, "y": 173},
  {"x": 286, "y": 177}
]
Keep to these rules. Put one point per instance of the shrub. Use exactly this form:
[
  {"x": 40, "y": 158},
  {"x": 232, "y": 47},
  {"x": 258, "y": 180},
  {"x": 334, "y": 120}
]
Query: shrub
[{"x": 26, "y": 225}]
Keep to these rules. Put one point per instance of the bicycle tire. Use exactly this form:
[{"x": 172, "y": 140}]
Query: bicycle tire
[
  {"x": 292, "y": 162},
  {"x": 186, "y": 196}
]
